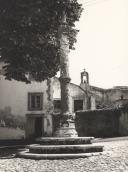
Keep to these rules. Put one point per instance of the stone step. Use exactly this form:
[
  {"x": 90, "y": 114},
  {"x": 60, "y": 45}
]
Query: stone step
[
  {"x": 61, "y": 147},
  {"x": 64, "y": 149},
  {"x": 64, "y": 140},
  {"x": 26, "y": 154}
]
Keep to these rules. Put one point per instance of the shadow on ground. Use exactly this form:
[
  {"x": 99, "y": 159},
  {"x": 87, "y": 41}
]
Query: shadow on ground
[{"x": 7, "y": 153}]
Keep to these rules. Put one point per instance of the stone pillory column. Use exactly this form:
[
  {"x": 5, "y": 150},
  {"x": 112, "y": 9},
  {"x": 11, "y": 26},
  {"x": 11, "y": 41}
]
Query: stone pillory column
[
  {"x": 67, "y": 125},
  {"x": 65, "y": 144}
]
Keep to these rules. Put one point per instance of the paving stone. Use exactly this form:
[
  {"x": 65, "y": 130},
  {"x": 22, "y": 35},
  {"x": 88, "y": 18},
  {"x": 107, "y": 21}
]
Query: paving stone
[{"x": 114, "y": 158}]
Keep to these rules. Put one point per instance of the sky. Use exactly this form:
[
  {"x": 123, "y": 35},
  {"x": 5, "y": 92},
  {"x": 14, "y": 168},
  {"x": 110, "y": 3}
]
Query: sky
[{"x": 102, "y": 44}]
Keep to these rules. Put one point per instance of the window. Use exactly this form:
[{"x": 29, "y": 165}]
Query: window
[
  {"x": 57, "y": 105},
  {"x": 78, "y": 105},
  {"x": 35, "y": 101}
]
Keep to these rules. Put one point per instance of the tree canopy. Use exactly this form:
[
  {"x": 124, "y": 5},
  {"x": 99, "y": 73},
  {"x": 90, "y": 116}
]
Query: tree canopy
[{"x": 29, "y": 36}]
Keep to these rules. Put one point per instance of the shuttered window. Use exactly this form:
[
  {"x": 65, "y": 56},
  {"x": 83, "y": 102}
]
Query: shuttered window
[{"x": 35, "y": 101}]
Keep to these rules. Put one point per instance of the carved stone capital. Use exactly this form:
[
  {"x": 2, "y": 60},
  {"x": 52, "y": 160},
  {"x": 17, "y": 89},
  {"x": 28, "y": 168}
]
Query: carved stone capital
[{"x": 65, "y": 79}]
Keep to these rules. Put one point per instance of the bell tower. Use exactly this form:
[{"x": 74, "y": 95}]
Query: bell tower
[
  {"x": 90, "y": 99},
  {"x": 84, "y": 84},
  {"x": 84, "y": 77}
]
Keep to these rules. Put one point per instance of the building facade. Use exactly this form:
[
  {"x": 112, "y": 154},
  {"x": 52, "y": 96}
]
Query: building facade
[
  {"x": 32, "y": 106},
  {"x": 36, "y": 103}
]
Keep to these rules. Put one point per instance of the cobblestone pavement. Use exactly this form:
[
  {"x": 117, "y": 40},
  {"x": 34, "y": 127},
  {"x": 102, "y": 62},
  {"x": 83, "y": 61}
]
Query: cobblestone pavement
[{"x": 114, "y": 159}]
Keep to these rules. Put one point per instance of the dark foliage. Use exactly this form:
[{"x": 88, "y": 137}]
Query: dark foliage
[{"x": 29, "y": 36}]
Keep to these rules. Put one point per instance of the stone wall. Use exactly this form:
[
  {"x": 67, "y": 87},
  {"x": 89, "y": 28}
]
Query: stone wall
[
  {"x": 123, "y": 122},
  {"x": 102, "y": 123},
  {"x": 109, "y": 97},
  {"x": 116, "y": 93}
]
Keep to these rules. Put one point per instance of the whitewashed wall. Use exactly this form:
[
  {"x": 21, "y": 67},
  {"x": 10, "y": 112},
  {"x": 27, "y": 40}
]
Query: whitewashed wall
[{"x": 14, "y": 94}]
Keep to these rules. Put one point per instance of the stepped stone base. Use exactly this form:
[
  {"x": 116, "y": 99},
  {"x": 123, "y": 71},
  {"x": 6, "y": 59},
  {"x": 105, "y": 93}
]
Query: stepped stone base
[
  {"x": 64, "y": 140},
  {"x": 26, "y": 154},
  {"x": 61, "y": 147}
]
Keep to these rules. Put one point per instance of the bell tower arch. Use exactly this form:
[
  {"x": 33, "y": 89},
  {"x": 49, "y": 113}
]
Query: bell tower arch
[{"x": 84, "y": 77}]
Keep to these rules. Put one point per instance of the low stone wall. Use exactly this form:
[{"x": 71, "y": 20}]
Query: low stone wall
[
  {"x": 123, "y": 123},
  {"x": 102, "y": 123}
]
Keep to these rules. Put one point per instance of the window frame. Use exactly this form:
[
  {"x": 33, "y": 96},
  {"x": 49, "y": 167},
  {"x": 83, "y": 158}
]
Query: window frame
[{"x": 30, "y": 94}]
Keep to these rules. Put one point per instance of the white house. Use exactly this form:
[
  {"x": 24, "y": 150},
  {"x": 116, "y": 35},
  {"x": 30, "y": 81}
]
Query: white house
[{"x": 31, "y": 101}]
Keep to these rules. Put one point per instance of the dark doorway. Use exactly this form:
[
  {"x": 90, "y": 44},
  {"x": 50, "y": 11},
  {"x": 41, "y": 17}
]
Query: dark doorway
[
  {"x": 89, "y": 103},
  {"x": 78, "y": 105},
  {"x": 38, "y": 127}
]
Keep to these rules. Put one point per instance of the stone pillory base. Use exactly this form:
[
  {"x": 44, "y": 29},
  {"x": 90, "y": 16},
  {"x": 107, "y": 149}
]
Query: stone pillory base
[{"x": 61, "y": 147}]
